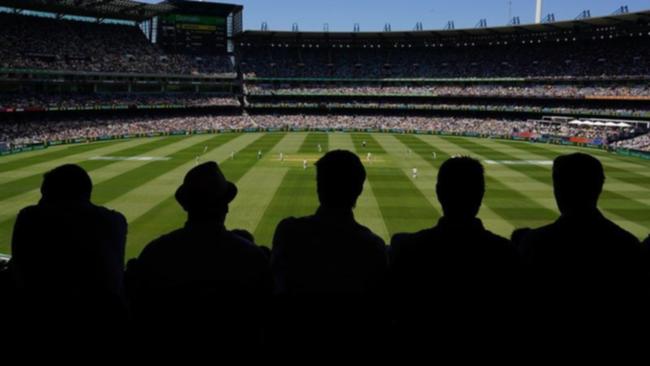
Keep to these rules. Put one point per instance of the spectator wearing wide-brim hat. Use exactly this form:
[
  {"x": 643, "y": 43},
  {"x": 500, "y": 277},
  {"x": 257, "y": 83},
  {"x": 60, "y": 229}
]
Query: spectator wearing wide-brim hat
[
  {"x": 205, "y": 191},
  {"x": 202, "y": 275}
]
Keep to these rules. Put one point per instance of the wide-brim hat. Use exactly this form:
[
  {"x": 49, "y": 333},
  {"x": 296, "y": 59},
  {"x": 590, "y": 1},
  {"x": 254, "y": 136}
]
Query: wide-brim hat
[{"x": 204, "y": 186}]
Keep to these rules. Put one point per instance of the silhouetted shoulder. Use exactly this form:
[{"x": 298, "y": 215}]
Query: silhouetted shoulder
[
  {"x": 172, "y": 244},
  {"x": 497, "y": 239},
  {"x": 28, "y": 212},
  {"x": 600, "y": 228},
  {"x": 406, "y": 240},
  {"x": 624, "y": 235},
  {"x": 162, "y": 244},
  {"x": 306, "y": 226},
  {"x": 244, "y": 247},
  {"x": 372, "y": 237},
  {"x": 117, "y": 217},
  {"x": 434, "y": 235},
  {"x": 291, "y": 222}
]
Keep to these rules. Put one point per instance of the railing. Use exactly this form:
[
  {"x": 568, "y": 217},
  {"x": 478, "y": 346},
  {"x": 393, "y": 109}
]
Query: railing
[
  {"x": 452, "y": 80},
  {"x": 224, "y": 75},
  {"x": 422, "y": 95}
]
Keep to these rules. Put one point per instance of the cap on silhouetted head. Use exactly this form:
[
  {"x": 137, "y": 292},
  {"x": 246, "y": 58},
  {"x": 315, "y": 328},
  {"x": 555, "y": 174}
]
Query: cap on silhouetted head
[
  {"x": 340, "y": 176},
  {"x": 578, "y": 181},
  {"x": 461, "y": 187},
  {"x": 204, "y": 188},
  {"x": 67, "y": 183}
]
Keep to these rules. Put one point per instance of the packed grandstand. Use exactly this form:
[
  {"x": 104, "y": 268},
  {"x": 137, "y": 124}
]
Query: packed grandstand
[{"x": 68, "y": 79}]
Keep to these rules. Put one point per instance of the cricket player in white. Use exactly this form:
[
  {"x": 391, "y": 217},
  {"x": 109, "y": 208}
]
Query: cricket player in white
[
  {"x": 304, "y": 164},
  {"x": 415, "y": 173}
]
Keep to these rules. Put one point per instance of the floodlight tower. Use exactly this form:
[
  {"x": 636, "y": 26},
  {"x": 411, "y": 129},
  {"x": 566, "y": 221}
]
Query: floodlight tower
[{"x": 538, "y": 12}]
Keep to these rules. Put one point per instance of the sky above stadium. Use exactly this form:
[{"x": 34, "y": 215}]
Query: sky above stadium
[{"x": 372, "y": 15}]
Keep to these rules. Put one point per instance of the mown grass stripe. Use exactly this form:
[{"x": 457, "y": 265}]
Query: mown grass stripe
[
  {"x": 6, "y": 226},
  {"x": 633, "y": 213},
  {"x": 15, "y": 203},
  {"x": 511, "y": 204},
  {"x": 124, "y": 183},
  {"x": 401, "y": 203},
  {"x": 296, "y": 196},
  {"x": 41, "y": 168},
  {"x": 31, "y": 182},
  {"x": 611, "y": 170},
  {"x": 367, "y": 212},
  {"x": 49, "y": 154},
  {"x": 259, "y": 186},
  {"x": 492, "y": 219},
  {"x": 633, "y": 207},
  {"x": 149, "y": 226},
  {"x": 404, "y": 157},
  {"x": 612, "y": 202},
  {"x": 140, "y": 200},
  {"x": 313, "y": 139}
]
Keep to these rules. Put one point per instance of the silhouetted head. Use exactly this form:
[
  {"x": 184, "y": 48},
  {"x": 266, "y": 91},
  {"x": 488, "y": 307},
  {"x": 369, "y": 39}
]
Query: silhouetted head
[
  {"x": 460, "y": 188},
  {"x": 67, "y": 183},
  {"x": 578, "y": 180},
  {"x": 340, "y": 176},
  {"x": 205, "y": 192}
]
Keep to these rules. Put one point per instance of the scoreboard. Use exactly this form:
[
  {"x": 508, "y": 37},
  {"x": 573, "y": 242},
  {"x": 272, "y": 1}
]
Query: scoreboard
[{"x": 193, "y": 34}]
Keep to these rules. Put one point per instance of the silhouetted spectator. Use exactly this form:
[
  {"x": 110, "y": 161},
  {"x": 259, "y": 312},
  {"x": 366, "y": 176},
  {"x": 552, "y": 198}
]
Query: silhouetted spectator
[
  {"x": 5, "y": 284},
  {"x": 446, "y": 274},
  {"x": 202, "y": 277},
  {"x": 327, "y": 264},
  {"x": 249, "y": 236},
  {"x": 518, "y": 236},
  {"x": 582, "y": 259},
  {"x": 68, "y": 256}
]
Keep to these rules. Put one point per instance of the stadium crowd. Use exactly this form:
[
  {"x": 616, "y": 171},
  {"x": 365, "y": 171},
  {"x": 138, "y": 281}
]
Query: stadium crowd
[
  {"x": 29, "y": 42},
  {"x": 26, "y": 133},
  {"x": 640, "y": 112},
  {"x": 641, "y": 143},
  {"x": 92, "y": 101},
  {"x": 491, "y": 90},
  {"x": 562, "y": 59}
]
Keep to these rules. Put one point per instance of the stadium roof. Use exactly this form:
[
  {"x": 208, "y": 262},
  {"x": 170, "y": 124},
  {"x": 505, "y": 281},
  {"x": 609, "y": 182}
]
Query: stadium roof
[
  {"x": 637, "y": 18},
  {"x": 115, "y": 9}
]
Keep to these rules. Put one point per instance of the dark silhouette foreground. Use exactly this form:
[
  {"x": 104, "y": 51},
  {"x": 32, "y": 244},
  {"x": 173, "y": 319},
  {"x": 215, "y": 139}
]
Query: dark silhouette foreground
[
  {"x": 585, "y": 274},
  {"x": 203, "y": 286},
  {"x": 327, "y": 265},
  {"x": 582, "y": 254},
  {"x": 456, "y": 273},
  {"x": 68, "y": 257},
  {"x": 202, "y": 279}
]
